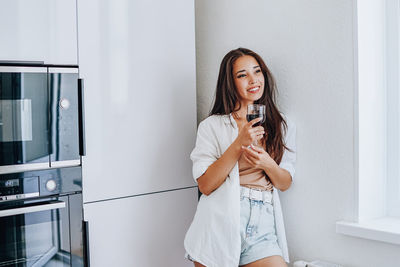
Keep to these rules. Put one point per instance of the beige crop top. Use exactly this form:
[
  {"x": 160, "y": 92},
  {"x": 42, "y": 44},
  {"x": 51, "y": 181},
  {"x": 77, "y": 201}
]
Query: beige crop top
[{"x": 252, "y": 177}]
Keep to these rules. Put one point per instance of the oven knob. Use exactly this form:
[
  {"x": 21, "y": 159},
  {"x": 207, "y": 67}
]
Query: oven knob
[
  {"x": 64, "y": 103},
  {"x": 51, "y": 185}
]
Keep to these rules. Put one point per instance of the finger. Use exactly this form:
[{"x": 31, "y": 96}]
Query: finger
[
  {"x": 257, "y": 136},
  {"x": 257, "y": 130},
  {"x": 257, "y": 148},
  {"x": 246, "y": 150},
  {"x": 253, "y": 152},
  {"x": 250, "y": 153},
  {"x": 246, "y": 158}
]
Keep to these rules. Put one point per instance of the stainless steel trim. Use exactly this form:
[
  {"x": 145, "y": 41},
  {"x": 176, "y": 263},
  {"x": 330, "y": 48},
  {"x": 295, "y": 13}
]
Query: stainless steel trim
[
  {"x": 22, "y": 62},
  {"x": 22, "y": 210},
  {"x": 63, "y": 70},
  {"x": 46, "y": 257},
  {"x": 24, "y": 167},
  {"x": 23, "y": 69},
  {"x": 19, "y": 196},
  {"x": 65, "y": 163},
  {"x": 38, "y": 166}
]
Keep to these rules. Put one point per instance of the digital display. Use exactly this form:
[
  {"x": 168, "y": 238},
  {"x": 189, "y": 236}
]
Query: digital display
[{"x": 11, "y": 183}]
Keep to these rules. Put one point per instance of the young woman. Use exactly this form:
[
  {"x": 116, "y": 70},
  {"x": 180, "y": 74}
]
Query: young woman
[{"x": 239, "y": 219}]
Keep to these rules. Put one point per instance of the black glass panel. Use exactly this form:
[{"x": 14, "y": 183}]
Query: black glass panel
[
  {"x": 63, "y": 88},
  {"x": 11, "y": 186},
  {"x": 76, "y": 215},
  {"x": 66, "y": 180},
  {"x": 24, "y": 118},
  {"x": 36, "y": 239}
]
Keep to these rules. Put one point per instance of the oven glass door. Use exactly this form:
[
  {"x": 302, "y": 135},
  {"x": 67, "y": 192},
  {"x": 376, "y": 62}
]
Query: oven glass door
[
  {"x": 35, "y": 234},
  {"x": 24, "y": 115},
  {"x": 63, "y": 98}
]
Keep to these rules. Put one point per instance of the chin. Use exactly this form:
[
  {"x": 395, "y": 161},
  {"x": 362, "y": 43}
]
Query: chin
[{"x": 257, "y": 98}]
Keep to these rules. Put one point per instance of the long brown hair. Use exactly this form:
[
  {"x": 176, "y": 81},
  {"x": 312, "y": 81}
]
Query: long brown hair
[{"x": 226, "y": 97}]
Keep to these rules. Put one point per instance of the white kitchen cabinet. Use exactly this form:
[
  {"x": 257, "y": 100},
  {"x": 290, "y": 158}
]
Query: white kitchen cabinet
[
  {"x": 146, "y": 231},
  {"x": 137, "y": 59},
  {"x": 39, "y": 30}
]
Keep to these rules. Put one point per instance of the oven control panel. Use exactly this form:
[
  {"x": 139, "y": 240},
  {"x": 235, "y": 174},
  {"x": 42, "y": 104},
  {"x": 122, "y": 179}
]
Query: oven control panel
[
  {"x": 41, "y": 183},
  {"x": 19, "y": 188}
]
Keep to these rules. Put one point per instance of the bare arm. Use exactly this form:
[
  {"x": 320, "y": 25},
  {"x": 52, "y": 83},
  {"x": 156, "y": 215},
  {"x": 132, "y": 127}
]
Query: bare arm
[
  {"x": 280, "y": 177},
  {"x": 216, "y": 173},
  {"x": 260, "y": 159}
]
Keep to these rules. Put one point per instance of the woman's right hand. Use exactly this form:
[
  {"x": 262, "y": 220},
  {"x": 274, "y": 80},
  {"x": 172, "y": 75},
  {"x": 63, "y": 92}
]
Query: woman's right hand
[{"x": 249, "y": 134}]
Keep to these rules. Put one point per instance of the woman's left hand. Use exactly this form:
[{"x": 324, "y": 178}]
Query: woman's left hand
[{"x": 257, "y": 157}]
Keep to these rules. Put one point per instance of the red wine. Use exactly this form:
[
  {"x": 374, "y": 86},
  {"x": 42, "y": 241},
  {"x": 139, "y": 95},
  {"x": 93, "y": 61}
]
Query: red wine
[{"x": 251, "y": 117}]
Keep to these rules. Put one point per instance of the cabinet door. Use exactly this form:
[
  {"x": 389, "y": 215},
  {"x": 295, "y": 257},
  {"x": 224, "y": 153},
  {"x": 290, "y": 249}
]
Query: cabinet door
[
  {"x": 142, "y": 231},
  {"x": 138, "y": 62},
  {"x": 40, "y": 30}
]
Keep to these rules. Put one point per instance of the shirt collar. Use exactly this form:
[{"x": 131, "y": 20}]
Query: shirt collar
[{"x": 228, "y": 119}]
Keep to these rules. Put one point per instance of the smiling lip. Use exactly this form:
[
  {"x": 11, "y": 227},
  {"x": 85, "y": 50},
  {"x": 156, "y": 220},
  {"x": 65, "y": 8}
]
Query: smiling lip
[{"x": 253, "y": 90}]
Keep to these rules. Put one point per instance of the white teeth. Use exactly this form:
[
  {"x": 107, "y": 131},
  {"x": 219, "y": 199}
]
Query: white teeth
[{"x": 254, "y": 89}]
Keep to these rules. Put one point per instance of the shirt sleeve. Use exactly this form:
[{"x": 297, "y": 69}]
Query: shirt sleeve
[
  {"x": 289, "y": 157},
  {"x": 205, "y": 152}
]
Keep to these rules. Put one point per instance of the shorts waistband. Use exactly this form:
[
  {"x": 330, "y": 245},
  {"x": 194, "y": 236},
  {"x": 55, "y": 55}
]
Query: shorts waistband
[{"x": 255, "y": 194}]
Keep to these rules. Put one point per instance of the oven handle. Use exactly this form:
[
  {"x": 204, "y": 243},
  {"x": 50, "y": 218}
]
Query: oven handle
[
  {"x": 29, "y": 209},
  {"x": 81, "y": 118}
]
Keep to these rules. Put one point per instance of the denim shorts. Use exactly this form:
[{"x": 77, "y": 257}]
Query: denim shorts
[{"x": 257, "y": 231}]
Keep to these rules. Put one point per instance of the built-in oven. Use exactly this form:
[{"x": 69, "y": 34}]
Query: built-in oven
[
  {"x": 41, "y": 117},
  {"x": 41, "y": 221}
]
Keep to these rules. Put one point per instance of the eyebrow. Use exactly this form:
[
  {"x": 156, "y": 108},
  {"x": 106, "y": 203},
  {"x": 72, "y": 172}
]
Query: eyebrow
[{"x": 245, "y": 70}]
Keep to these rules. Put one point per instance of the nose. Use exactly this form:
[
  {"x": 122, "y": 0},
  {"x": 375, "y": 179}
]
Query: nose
[{"x": 253, "y": 79}]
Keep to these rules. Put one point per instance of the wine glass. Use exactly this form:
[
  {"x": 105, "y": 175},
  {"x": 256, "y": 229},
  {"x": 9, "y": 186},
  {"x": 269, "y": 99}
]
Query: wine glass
[{"x": 256, "y": 111}]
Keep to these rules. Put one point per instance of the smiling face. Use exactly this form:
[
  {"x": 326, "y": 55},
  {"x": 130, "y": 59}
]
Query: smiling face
[{"x": 249, "y": 79}]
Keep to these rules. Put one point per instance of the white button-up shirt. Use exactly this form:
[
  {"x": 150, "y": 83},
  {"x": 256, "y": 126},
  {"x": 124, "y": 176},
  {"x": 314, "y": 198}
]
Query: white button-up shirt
[{"x": 213, "y": 238}]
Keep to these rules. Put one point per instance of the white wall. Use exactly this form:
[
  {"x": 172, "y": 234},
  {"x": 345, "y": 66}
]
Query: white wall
[
  {"x": 308, "y": 45},
  {"x": 372, "y": 108}
]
